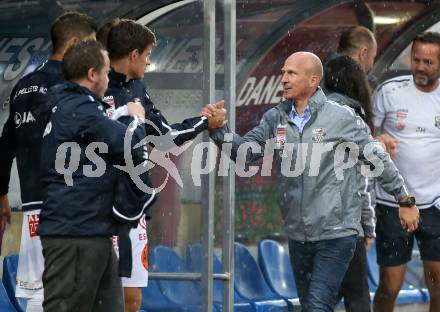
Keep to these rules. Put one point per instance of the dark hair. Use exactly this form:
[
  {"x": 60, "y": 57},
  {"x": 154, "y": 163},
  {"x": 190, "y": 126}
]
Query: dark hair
[
  {"x": 345, "y": 76},
  {"x": 128, "y": 36},
  {"x": 103, "y": 32},
  {"x": 427, "y": 37},
  {"x": 82, "y": 56},
  {"x": 71, "y": 24},
  {"x": 352, "y": 39}
]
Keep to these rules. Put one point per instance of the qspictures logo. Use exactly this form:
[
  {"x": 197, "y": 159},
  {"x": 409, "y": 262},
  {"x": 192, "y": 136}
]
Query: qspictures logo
[
  {"x": 297, "y": 158},
  {"x": 18, "y": 53}
]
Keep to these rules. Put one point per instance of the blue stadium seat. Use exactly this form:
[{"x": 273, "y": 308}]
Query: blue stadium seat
[
  {"x": 250, "y": 284},
  {"x": 180, "y": 293},
  {"x": 407, "y": 295},
  {"x": 275, "y": 264},
  {"x": 373, "y": 268},
  {"x": 154, "y": 301},
  {"x": 10, "y": 265},
  {"x": 194, "y": 261},
  {"x": 5, "y": 303}
]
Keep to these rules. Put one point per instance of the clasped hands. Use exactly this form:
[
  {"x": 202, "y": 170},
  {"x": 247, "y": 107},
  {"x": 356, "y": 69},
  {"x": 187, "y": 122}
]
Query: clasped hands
[{"x": 216, "y": 114}]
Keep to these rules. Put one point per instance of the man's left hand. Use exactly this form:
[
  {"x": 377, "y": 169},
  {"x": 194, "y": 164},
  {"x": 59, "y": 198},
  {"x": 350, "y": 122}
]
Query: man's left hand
[
  {"x": 5, "y": 212},
  {"x": 409, "y": 218},
  {"x": 368, "y": 243}
]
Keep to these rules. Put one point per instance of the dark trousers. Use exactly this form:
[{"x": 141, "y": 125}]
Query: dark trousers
[
  {"x": 354, "y": 287},
  {"x": 319, "y": 268},
  {"x": 81, "y": 274}
]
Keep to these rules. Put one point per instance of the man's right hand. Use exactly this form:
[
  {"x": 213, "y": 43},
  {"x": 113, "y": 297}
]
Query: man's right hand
[
  {"x": 409, "y": 218},
  {"x": 5, "y": 212},
  {"x": 390, "y": 144},
  {"x": 368, "y": 242},
  {"x": 216, "y": 114}
]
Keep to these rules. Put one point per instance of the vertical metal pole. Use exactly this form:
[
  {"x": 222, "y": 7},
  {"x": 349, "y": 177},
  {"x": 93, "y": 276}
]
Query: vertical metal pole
[
  {"x": 208, "y": 187},
  {"x": 229, "y": 182}
]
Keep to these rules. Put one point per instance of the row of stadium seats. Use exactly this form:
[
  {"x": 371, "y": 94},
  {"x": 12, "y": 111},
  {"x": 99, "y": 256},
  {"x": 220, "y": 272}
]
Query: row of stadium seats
[
  {"x": 10, "y": 264},
  {"x": 266, "y": 285},
  {"x": 5, "y": 304}
]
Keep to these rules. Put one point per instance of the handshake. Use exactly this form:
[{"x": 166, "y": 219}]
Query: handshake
[{"x": 215, "y": 113}]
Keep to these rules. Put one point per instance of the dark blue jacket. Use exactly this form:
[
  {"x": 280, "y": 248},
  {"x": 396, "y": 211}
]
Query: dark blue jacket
[
  {"x": 22, "y": 132},
  {"x": 81, "y": 205},
  {"x": 131, "y": 202},
  {"x": 121, "y": 90}
]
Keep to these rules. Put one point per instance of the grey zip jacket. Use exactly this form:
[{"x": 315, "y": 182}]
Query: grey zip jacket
[
  {"x": 322, "y": 201},
  {"x": 366, "y": 185}
]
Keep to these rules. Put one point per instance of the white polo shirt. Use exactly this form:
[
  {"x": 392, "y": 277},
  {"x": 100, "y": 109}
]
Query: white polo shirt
[{"x": 412, "y": 117}]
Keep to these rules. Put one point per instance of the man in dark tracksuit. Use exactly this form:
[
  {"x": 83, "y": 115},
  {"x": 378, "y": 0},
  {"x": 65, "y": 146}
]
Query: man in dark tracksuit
[
  {"x": 126, "y": 83},
  {"x": 129, "y": 45},
  {"x": 359, "y": 44},
  {"x": 80, "y": 143},
  {"x": 21, "y": 138}
]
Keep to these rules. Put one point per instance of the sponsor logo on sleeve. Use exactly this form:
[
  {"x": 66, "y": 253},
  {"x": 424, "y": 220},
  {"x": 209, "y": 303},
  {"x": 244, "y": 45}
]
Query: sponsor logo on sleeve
[{"x": 24, "y": 118}]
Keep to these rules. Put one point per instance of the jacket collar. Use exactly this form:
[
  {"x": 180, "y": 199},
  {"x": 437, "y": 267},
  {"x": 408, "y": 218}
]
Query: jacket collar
[
  {"x": 51, "y": 66},
  {"x": 316, "y": 101},
  {"x": 118, "y": 79},
  {"x": 71, "y": 86}
]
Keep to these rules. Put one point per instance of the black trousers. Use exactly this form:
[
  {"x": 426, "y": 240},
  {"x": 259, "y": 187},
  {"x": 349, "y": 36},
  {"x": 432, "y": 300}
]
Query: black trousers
[
  {"x": 81, "y": 274},
  {"x": 354, "y": 287}
]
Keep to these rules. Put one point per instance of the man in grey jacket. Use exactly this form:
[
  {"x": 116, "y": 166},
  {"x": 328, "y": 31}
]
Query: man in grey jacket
[{"x": 319, "y": 202}]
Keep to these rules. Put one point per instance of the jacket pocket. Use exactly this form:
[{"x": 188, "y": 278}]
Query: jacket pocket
[
  {"x": 333, "y": 202},
  {"x": 284, "y": 201}
]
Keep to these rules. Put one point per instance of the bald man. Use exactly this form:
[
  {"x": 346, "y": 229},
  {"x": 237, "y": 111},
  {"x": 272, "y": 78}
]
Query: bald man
[{"x": 319, "y": 204}]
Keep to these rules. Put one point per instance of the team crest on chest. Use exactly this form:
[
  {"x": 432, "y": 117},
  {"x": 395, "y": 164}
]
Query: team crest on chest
[
  {"x": 318, "y": 135},
  {"x": 401, "y": 116},
  {"x": 109, "y": 100},
  {"x": 437, "y": 121},
  {"x": 281, "y": 136}
]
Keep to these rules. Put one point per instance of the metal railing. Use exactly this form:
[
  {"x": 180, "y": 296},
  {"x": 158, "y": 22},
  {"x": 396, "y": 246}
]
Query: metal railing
[{"x": 208, "y": 187}]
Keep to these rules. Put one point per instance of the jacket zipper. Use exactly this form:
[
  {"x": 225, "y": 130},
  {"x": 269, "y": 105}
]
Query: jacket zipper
[
  {"x": 312, "y": 117},
  {"x": 302, "y": 181},
  {"x": 302, "y": 191}
]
